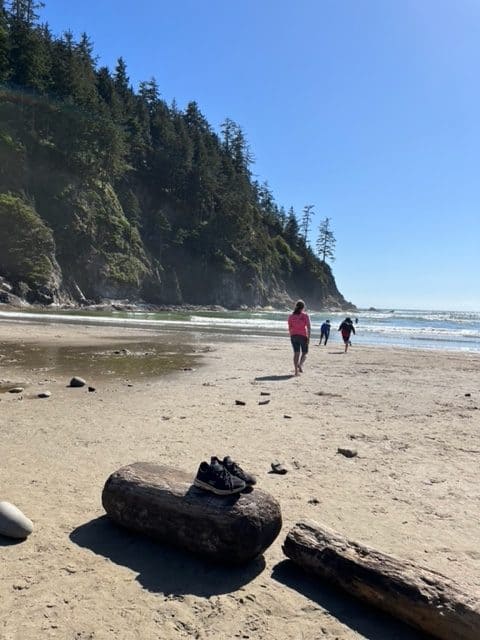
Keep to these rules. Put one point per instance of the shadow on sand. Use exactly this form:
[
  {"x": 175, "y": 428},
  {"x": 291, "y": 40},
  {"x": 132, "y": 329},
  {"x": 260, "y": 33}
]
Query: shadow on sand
[
  {"x": 161, "y": 568},
  {"x": 5, "y": 541},
  {"x": 274, "y": 378},
  {"x": 371, "y": 623}
]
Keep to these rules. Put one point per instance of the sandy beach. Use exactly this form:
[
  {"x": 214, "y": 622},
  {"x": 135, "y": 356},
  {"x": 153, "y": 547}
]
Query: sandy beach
[{"x": 413, "y": 490}]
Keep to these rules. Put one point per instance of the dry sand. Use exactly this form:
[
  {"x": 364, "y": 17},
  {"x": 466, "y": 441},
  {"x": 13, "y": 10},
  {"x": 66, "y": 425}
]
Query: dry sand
[{"x": 413, "y": 490}]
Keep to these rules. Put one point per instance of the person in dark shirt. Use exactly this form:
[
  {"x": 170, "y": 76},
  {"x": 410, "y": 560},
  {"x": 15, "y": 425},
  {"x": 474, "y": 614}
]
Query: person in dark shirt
[
  {"x": 325, "y": 332},
  {"x": 347, "y": 329}
]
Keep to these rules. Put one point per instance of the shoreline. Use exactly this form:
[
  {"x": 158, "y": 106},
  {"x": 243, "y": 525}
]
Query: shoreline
[
  {"x": 160, "y": 327},
  {"x": 411, "y": 490}
]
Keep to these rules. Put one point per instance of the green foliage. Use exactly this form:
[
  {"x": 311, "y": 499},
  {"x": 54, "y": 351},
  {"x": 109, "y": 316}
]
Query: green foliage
[
  {"x": 12, "y": 163},
  {"x": 26, "y": 243},
  {"x": 325, "y": 244},
  {"x": 4, "y": 47},
  {"x": 141, "y": 197}
]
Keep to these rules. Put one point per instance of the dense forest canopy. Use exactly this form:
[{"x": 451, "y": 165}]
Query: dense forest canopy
[{"x": 110, "y": 192}]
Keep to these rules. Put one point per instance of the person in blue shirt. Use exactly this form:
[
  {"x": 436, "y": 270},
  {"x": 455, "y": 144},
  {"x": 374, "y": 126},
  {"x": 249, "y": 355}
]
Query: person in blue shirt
[{"x": 325, "y": 332}]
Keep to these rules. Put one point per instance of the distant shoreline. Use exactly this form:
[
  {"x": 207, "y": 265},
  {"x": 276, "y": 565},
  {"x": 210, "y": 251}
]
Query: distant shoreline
[{"x": 406, "y": 330}]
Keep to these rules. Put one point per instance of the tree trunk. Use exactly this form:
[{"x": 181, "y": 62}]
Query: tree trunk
[
  {"x": 422, "y": 598},
  {"x": 162, "y": 503}
]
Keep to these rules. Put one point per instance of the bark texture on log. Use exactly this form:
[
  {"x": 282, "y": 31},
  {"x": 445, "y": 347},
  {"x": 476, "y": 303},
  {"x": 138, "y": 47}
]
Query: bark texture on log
[
  {"x": 162, "y": 503},
  {"x": 422, "y": 598}
]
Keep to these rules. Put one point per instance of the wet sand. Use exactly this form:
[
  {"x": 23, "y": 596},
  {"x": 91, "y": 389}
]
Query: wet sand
[{"x": 413, "y": 490}]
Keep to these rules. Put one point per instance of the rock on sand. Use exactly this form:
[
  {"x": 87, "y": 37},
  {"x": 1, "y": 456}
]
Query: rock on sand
[{"x": 13, "y": 523}]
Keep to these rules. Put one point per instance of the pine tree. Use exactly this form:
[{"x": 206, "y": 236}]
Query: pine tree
[
  {"x": 292, "y": 229},
  {"x": 306, "y": 220},
  {"x": 236, "y": 146},
  {"x": 4, "y": 45},
  {"x": 326, "y": 241},
  {"x": 150, "y": 93},
  {"x": 108, "y": 93},
  {"x": 29, "y": 59},
  {"x": 121, "y": 79},
  {"x": 85, "y": 90},
  {"x": 25, "y": 11}
]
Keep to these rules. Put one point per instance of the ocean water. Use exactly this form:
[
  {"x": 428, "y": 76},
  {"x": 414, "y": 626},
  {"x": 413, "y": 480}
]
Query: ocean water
[{"x": 407, "y": 328}]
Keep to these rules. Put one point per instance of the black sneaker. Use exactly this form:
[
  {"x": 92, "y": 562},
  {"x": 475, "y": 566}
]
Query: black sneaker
[
  {"x": 214, "y": 477},
  {"x": 237, "y": 471}
]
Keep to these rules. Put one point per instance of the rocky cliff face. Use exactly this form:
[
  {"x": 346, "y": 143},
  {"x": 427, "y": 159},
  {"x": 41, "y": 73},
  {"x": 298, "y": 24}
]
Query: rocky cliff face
[
  {"x": 82, "y": 249},
  {"x": 77, "y": 228}
]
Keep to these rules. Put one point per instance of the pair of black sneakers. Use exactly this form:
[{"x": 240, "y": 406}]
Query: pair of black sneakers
[{"x": 223, "y": 477}]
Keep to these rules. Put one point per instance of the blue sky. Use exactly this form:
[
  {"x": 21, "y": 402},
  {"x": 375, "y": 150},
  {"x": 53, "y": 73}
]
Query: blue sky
[{"x": 369, "y": 109}]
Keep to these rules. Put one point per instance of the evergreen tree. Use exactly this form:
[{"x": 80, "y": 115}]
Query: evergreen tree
[
  {"x": 29, "y": 60},
  {"x": 306, "y": 220},
  {"x": 85, "y": 90},
  {"x": 121, "y": 79},
  {"x": 108, "y": 93},
  {"x": 25, "y": 11},
  {"x": 326, "y": 241},
  {"x": 236, "y": 146},
  {"x": 292, "y": 229},
  {"x": 4, "y": 45},
  {"x": 150, "y": 94}
]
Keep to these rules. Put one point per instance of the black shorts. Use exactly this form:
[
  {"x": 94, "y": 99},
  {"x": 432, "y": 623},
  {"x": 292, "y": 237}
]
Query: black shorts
[{"x": 299, "y": 342}]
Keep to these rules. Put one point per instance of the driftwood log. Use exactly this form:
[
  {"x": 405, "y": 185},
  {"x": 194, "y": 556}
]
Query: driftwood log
[
  {"x": 162, "y": 503},
  {"x": 422, "y": 598}
]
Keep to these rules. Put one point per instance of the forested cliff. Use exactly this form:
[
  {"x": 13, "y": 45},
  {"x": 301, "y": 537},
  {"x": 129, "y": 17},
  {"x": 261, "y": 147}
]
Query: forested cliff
[{"x": 108, "y": 192}]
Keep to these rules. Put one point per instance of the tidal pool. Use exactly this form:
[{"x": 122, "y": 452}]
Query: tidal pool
[{"x": 126, "y": 360}]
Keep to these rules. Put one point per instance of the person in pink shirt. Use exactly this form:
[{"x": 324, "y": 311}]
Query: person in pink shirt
[{"x": 299, "y": 328}]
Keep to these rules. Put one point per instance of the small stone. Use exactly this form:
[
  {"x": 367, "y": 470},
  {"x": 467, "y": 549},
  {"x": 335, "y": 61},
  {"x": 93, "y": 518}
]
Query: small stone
[
  {"x": 287, "y": 416},
  {"x": 467, "y": 395},
  {"x": 241, "y": 403},
  {"x": 187, "y": 369},
  {"x": 77, "y": 382},
  {"x": 129, "y": 384},
  {"x": 91, "y": 389},
  {"x": 314, "y": 501},
  {"x": 264, "y": 393},
  {"x": 16, "y": 390},
  {"x": 278, "y": 467},
  {"x": 44, "y": 394},
  {"x": 348, "y": 453},
  {"x": 263, "y": 401}
]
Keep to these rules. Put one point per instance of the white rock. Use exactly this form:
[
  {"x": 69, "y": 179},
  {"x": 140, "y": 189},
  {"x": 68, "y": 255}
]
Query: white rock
[{"x": 13, "y": 523}]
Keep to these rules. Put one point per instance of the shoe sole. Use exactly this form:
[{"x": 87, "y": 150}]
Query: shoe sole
[{"x": 218, "y": 492}]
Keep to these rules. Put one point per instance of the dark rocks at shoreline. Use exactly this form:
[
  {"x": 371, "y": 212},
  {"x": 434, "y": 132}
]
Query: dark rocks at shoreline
[{"x": 14, "y": 301}]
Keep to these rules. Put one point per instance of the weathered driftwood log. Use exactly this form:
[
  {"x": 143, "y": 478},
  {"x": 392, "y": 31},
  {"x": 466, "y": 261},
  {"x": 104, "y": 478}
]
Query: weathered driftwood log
[
  {"x": 162, "y": 503},
  {"x": 422, "y": 598}
]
